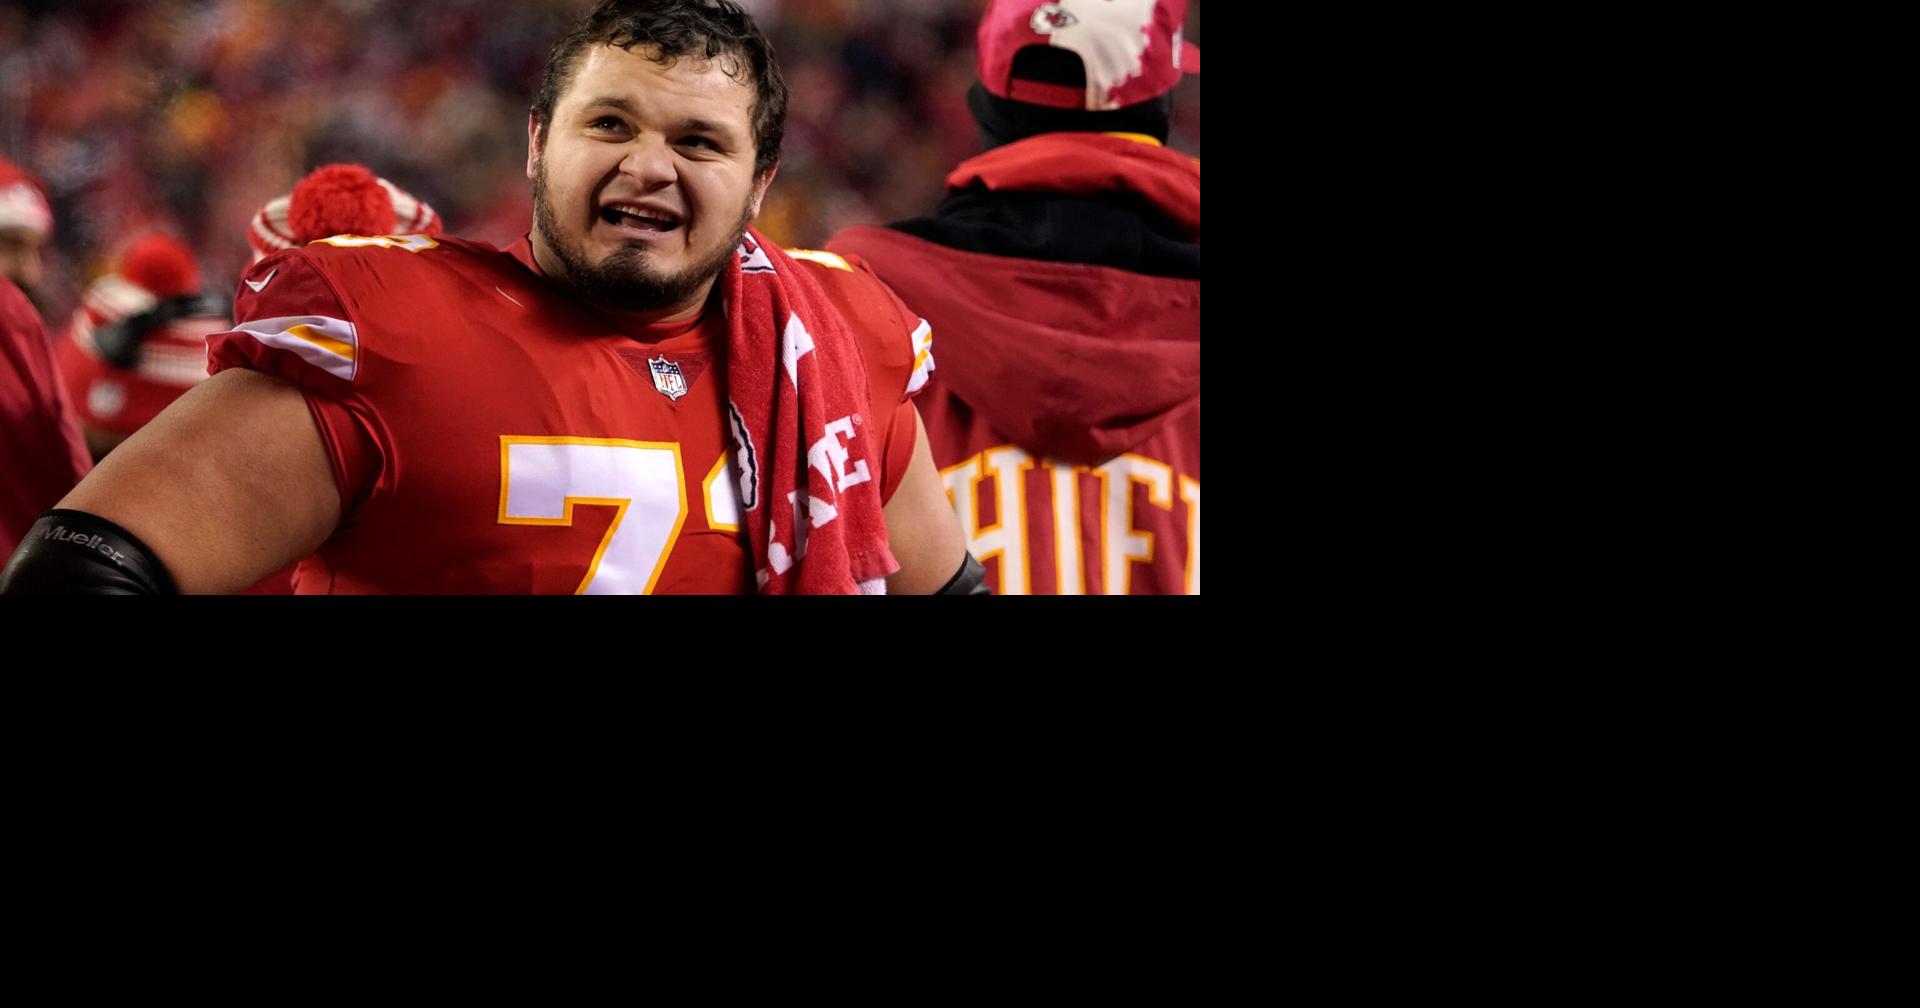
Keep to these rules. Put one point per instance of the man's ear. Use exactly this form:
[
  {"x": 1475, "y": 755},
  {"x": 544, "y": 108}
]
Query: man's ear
[
  {"x": 533, "y": 144},
  {"x": 760, "y": 188}
]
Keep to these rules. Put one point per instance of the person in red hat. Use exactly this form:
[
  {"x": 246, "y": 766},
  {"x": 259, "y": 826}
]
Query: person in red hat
[
  {"x": 642, "y": 395},
  {"x": 138, "y": 339},
  {"x": 1063, "y": 273},
  {"x": 42, "y": 454}
]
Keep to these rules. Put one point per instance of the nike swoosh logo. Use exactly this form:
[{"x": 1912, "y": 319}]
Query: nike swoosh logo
[{"x": 262, "y": 282}]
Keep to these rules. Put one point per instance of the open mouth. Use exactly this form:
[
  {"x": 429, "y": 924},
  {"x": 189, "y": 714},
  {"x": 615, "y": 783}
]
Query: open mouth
[{"x": 638, "y": 219}]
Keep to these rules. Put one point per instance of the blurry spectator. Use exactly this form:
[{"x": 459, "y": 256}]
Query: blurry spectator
[
  {"x": 25, "y": 222},
  {"x": 138, "y": 340},
  {"x": 41, "y": 454}
]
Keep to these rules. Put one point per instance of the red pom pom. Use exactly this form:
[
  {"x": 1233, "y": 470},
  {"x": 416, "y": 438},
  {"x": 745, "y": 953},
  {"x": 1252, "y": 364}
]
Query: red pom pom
[
  {"x": 339, "y": 199},
  {"x": 161, "y": 265}
]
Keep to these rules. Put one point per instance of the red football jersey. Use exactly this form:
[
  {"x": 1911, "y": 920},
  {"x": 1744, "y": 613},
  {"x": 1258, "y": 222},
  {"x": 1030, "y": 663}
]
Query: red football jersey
[{"x": 491, "y": 435}]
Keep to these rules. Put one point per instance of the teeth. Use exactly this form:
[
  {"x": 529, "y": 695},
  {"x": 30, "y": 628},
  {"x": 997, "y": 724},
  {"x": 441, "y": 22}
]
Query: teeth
[{"x": 664, "y": 222}]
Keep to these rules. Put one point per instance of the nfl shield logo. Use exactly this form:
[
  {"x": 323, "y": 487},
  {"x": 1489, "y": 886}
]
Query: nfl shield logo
[{"x": 667, "y": 377}]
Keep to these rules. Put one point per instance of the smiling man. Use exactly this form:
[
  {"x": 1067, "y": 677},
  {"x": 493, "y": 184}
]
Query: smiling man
[
  {"x": 642, "y": 395},
  {"x": 637, "y": 224}
]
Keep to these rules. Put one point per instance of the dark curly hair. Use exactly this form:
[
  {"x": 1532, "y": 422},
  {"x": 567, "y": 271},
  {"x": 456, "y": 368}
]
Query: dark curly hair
[{"x": 704, "y": 29}]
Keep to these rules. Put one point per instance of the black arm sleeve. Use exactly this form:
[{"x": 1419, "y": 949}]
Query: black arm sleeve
[
  {"x": 970, "y": 579},
  {"x": 71, "y": 552}
]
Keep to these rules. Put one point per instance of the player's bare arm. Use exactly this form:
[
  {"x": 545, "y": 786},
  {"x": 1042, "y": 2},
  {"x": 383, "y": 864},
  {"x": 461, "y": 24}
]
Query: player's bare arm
[
  {"x": 226, "y": 486},
  {"x": 922, "y": 531}
]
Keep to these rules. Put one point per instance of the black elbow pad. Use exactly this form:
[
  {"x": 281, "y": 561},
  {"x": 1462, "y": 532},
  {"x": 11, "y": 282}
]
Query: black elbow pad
[
  {"x": 970, "y": 579},
  {"x": 71, "y": 552}
]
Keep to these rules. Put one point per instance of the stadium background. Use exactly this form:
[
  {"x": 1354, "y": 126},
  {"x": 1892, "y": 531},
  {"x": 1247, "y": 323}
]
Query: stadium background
[{"x": 187, "y": 115}]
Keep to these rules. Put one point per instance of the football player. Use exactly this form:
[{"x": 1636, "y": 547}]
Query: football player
[{"x": 641, "y": 395}]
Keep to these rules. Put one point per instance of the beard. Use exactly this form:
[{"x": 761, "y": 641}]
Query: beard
[{"x": 624, "y": 280}]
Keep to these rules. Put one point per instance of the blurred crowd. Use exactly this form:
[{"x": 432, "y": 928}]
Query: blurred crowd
[{"x": 188, "y": 115}]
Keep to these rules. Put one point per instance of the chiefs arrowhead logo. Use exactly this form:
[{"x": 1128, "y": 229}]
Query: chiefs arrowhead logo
[
  {"x": 1051, "y": 18},
  {"x": 753, "y": 259}
]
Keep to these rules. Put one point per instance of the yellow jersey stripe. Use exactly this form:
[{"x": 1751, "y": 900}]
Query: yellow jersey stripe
[{"x": 313, "y": 336}]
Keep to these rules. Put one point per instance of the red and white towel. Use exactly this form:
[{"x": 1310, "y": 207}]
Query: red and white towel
[{"x": 809, "y": 483}]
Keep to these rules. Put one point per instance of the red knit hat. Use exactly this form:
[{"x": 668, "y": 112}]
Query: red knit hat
[
  {"x": 338, "y": 199},
  {"x": 172, "y": 357}
]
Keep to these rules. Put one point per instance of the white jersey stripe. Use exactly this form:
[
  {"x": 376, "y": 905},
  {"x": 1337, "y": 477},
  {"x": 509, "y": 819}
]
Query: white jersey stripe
[{"x": 329, "y": 344}]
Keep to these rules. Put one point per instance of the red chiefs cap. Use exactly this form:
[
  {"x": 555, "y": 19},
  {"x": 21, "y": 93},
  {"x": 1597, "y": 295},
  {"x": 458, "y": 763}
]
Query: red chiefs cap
[{"x": 1132, "y": 49}]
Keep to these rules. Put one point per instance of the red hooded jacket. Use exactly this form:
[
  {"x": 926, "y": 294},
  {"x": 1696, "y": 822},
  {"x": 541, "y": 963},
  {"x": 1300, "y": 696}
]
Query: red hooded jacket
[{"x": 1064, "y": 405}]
